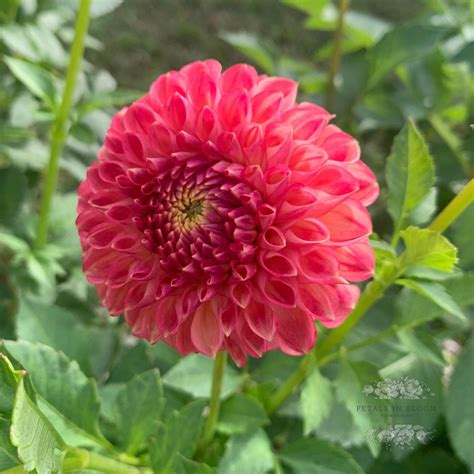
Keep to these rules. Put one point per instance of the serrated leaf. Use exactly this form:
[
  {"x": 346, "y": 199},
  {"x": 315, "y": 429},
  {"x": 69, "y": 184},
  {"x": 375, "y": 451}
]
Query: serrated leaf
[
  {"x": 410, "y": 175},
  {"x": 311, "y": 456},
  {"x": 39, "y": 445},
  {"x": 61, "y": 384},
  {"x": 193, "y": 375},
  {"x": 352, "y": 378},
  {"x": 8, "y": 382},
  {"x": 399, "y": 45},
  {"x": 137, "y": 411},
  {"x": 316, "y": 400},
  {"x": 39, "y": 81},
  {"x": 459, "y": 410},
  {"x": 437, "y": 294},
  {"x": 250, "y": 452},
  {"x": 425, "y": 211},
  {"x": 178, "y": 436},
  {"x": 60, "y": 329},
  {"x": 8, "y": 457},
  {"x": 427, "y": 248},
  {"x": 239, "y": 414}
]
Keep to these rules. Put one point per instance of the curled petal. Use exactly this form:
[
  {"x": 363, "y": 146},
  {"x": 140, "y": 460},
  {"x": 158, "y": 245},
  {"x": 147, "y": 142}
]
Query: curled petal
[
  {"x": 347, "y": 222},
  {"x": 206, "y": 332},
  {"x": 296, "y": 331}
]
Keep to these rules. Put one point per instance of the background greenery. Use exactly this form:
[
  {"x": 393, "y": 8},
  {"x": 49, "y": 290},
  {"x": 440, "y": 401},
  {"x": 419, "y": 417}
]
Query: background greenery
[{"x": 93, "y": 389}]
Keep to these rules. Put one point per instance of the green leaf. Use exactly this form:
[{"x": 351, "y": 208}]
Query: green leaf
[
  {"x": 423, "y": 378},
  {"x": 401, "y": 44},
  {"x": 311, "y": 456},
  {"x": 54, "y": 326},
  {"x": 437, "y": 294},
  {"x": 186, "y": 466},
  {"x": 316, "y": 400},
  {"x": 8, "y": 457},
  {"x": 422, "y": 345},
  {"x": 250, "y": 453},
  {"x": 193, "y": 375},
  {"x": 251, "y": 47},
  {"x": 459, "y": 410},
  {"x": 425, "y": 211},
  {"x": 428, "y": 248},
  {"x": 138, "y": 408},
  {"x": 61, "y": 384},
  {"x": 410, "y": 175},
  {"x": 39, "y": 81},
  {"x": 8, "y": 382},
  {"x": 412, "y": 307},
  {"x": 352, "y": 378},
  {"x": 106, "y": 99},
  {"x": 8, "y": 9},
  {"x": 178, "y": 436},
  {"x": 103, "y": 7},
  {"x": 39, "y": 445},
  {"x": 13, "y": 190},
  {"x": 239, "y": 414}
]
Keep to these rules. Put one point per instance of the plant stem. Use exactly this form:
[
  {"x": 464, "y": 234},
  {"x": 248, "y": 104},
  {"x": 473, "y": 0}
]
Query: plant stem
[
  {"x": 214, "y": 404},
  {"x": 454, "y": 209},
  {"x": 291, "y": 384},
  {"x": 83, "y": 459},
  {"x": 59, "y": 127},
  {"x": 372, "y": 293},
  {"x": 335, "y": 63}
]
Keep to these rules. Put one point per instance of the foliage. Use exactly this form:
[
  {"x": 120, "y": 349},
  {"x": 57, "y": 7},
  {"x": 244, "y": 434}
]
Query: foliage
[{"x": 77, "y": 393}]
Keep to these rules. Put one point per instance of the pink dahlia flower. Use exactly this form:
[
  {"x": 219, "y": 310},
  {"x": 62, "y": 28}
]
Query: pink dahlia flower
[{"x": 223, "y": 215}]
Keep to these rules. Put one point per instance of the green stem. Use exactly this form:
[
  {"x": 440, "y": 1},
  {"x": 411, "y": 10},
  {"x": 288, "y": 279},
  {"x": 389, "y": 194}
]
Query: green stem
[
  {"x": 83, "y": 459},
  {"x": 452, "y": 141},
  {"x": 214, "y": 404},
  {"x": 59, "y": 127},
  {"x": 454, "y": 209},
  {"x": 335, "y": 63},
  {"x": 291, "y": 384},
  {"x": 372, "y": 293}
]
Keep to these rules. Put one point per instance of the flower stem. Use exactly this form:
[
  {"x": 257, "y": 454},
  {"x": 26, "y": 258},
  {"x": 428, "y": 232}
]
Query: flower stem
[
  {"x": 454, "y": 209},
  {"x": 372, "y": 293},
  {"x": 335, "y": 63},
  {"x": 83, "y": 459},
  {"x": 59, "y": 127},
  {"x": 214, "y": 404}
]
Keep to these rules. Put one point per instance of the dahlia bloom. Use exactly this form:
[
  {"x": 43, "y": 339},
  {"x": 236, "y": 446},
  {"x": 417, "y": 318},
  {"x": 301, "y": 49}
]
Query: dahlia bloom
[{"x": 223, "y": 215}]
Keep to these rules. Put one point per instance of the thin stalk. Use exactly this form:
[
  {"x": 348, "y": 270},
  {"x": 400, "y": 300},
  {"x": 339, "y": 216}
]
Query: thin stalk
[
  {"x": 214, "y": 404},
  {"x": 83, "y": 459},
  {"x": 454, "y": 209},
  {"x": 372, "y": 293},
  {"x": 335, "y": 63},
  {"x": 291, "y": 384},
  {"x": 59, "y": 127}
]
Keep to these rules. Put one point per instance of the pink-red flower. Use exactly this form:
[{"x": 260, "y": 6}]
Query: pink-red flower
[{"x": 223, "y": 215}]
